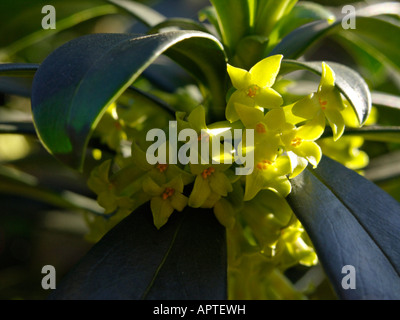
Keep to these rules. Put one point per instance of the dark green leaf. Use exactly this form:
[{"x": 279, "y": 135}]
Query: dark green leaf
[
  {"x": 385, "y": 100},
  {"x": 143, "y": 13},
  {"x": 353, "y": 222},
  {"x": 151, "y": 98},
  {"x": 375, "y": 133},
  {"x": 349, "y": 82},
  {"x": 94, "y": 70},
  {"x": 371, "y": 67},
  {"x": 385, "y": 170},
  {"x": 184, "y": 260},
  {"x": 301, "y": 14},
  {"x": 298, "y": 41},
  {"x": 16, "y": 78},
  {"x": 17, "y": 127},
  {"x": 177, "y": 24},
  {"x": 18, "y": 69},
  {"x": 378, "y": 34}
]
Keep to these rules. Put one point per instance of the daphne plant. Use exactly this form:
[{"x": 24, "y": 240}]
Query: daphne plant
[{"x": 233, "y": 151}]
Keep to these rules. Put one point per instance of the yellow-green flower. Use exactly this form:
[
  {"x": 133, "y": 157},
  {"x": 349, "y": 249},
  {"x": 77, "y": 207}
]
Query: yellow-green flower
[
  {"x": 273, "y": 135},
  {"x": 253, "y": 88},
  {"x": 269, "y": 175},
  {"x": 326, "y": 102},
  {"x": 160, "y": 172},
  {"x": 108, "y": 194},
  {"x": 210, "y": 180},
  {"x": 165, "y": 199}
]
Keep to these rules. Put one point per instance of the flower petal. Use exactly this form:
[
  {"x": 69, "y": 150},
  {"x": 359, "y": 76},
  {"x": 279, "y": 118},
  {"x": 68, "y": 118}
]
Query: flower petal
[
  {"x": 174, "y": 171},
  {"x": 152, "y": 188},
  {"x": 264, "y": 73},
  {"x": 275, "y": 119},
  {"x": 280, "y": 184},
  {"x": 161, "y": 210},
  {"x": 178, "y": 201},
  {"x": 197, "y": 119},
  {"x": 307, "y": 107},
  {"x": 336, "y": 122},
  {"x": 239, "y": 97},
  {"x": 139, "y": 158},
  {"x": 309, "y": 150},
  {"x": 220, "y": 184},
  {"x": 225, "y": 213},
  {"x": 201, "y": 191},
  {"x": 313, "y": 129},
  {"x": 268, "y": 98},
  {"x": 266, "y": 146},
  {"x": 333, "y": 99},
  {"x": 282, "y": 166},
  {"x": 327, "y": 79},
  {"x": 298, "y": 164},
  {"x": 176, "y": 184},
  {"x": 241, "y": 79},
  {"x": 248, "y": 115},
  {"x": 255, "y": 182}
]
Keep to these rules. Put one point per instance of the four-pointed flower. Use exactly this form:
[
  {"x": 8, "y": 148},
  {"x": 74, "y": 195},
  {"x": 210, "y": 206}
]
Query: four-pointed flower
[
  {"x": 326, "y": 102},
  {"x": 253, "y": 88},
  {"x": 165, "y": 199}
]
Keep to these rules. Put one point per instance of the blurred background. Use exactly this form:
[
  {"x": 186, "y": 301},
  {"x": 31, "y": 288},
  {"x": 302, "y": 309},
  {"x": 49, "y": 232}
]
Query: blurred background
[{"x": 34, "y": 230}]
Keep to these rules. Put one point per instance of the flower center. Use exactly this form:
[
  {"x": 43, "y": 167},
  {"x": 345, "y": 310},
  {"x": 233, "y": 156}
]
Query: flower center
[
  {"x": 252, "y": 91},
  {"x": 263, "y": 165},
  {"x": 322, "y": 103},
  {"x": 204, "y": 137},
  {"x": 162, "y": 167},
  {"x": 260, "y": 128},
  {"x": 168, "y": 192},
  {"x": 208, "y": 172},
  {"x": 296, "y": 142},
  {"x": 117, "y": 125}
]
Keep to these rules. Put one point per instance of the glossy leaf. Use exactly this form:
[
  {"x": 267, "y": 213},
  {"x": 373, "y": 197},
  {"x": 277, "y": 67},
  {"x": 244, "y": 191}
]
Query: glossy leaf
[
  {"x": 177, "y": 24},
  {"x": 293, "y": 45},
  {"x": 301, "y": 14},
  {"x": 385, "y": 100},
  {"x": 349, "y": 82},
  {"x": 16, "y": 78},
  {"x": 380, "y": 36},
  {"x": 17, "y": 127},
  {"x": 376, "y": 33},
  {"x": 376, "y": 133},
  {"x": 18, "y": 69},
  {"x": 352, "y": 222},
  {"x": 94, "y": 70},
  {"x": 143, "y": 13},
  {"x": 185, "y": 259}
]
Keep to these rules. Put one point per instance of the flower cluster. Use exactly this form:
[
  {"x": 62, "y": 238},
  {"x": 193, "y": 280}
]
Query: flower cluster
[{"x": 285, "y": 140}]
